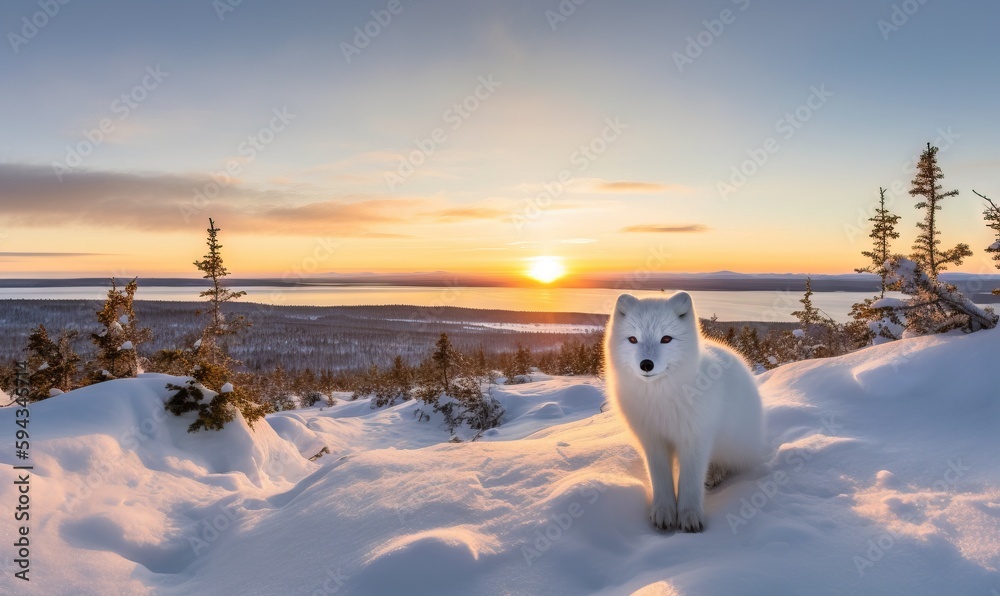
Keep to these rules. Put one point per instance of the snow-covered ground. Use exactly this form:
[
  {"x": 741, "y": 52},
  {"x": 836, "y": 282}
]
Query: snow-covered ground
[{"x": 884, "y": 479}]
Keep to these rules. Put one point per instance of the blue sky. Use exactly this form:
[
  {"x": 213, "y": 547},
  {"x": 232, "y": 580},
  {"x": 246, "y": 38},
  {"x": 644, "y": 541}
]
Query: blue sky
[{"x": 477, "y": 202}]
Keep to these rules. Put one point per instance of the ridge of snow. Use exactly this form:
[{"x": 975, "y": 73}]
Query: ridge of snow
[{"x": 882, "y": 479}]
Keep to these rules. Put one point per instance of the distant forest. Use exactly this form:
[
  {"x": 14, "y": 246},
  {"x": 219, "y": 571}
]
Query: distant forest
[
  {"x": 334, "y": 338},
  {"x": 297, "y": 337}
]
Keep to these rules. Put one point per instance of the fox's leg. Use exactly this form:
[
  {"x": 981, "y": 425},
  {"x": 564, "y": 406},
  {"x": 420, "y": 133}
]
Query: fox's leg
[
  {"x": 691, "y": 489},
  {"x": 660, "y": 460}
]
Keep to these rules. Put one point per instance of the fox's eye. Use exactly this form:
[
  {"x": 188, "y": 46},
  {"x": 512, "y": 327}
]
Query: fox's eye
[
  {"x": 666, "y": 339},
  {"x": 632, "y": 340}
]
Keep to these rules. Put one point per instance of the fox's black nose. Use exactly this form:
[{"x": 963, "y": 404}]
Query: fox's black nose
[{"x": 646, "y": 365}]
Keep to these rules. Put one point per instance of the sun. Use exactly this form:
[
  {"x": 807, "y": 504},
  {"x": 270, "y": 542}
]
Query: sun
[{"x": 546, "y": 269}]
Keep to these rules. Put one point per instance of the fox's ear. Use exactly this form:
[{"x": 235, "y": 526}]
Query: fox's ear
[
  {"x": 681, "y": 301},
  {"x": 625, "y": 303}
]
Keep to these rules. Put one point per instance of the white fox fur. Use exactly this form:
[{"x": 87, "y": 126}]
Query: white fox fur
[{"x": 689, "y": 399}]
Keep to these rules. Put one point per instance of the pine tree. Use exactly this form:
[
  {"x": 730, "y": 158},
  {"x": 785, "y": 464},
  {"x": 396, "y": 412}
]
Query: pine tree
[
  {"x": 450, "y": 384},
  {"x": 214, "y": 269},
  {"x": 445, "y": 359},
  {"x": 749, "y": 344},
  {"x": 883, "y": 232},
  {"x": 809, "y": 316},
  {"x": 933, "y": 306},
  {"x": 53, "y": 363},
  {"x": 400, "y": 379},
  {"x": 207, "y": 363},
  {"x": 925, "y": 249},
  {"x": 871, "y": 323},
  {"x": 119, "y": 337},
  {"x": 992, "y": 216},
  {"x": 522, "y": 362}
]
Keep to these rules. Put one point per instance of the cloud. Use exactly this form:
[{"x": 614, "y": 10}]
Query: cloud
[
  {"x": 32, "y": 196},
  {"x": 459, "y": 214},
  {"x": 664, "y": 229},
  {"x": 539, "y": 243},
  {"x": 599, "y": 185},
  {"x": 50, "y": 254}
]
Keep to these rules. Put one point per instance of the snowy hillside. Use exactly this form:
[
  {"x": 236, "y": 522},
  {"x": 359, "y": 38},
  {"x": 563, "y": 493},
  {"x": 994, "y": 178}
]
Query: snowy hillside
[{"x": 883, "y": 479}]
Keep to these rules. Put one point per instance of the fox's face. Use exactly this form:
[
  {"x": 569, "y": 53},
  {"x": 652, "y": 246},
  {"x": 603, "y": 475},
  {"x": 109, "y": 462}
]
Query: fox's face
[{"x": 652, "y": 336}]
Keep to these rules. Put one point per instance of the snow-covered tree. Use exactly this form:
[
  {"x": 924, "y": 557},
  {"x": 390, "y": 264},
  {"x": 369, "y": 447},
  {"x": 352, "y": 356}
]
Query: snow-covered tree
[
  {"x": 932, "y": 259},
  {"x": 450, "y": 385},
  {"x": 876, "y": 325},
  {"x": 932, "y": 306},
  {"x": 818, "y": 335},
  {"x": 876, "y": 320},
  {"x": 207, "y": 362},
  {"x": 992, "y": 215},
  {"x": 119, "y": 337},
  {"x": 53, "y": 363}
]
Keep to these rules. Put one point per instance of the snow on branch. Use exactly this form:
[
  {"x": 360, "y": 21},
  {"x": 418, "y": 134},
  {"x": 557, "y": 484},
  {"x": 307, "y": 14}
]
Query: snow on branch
[{"x": 934, "y": 307}]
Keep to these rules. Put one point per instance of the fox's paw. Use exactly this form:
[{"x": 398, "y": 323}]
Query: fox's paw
[
  {"x": 715, "y": 476},
  {"x": 690, "y": 520},
  {"x": 664, "y": 516}
]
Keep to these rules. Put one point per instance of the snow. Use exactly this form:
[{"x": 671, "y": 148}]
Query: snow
[
  {"x": 126, "y": 346},
  {"x": 889, "y": 302},
  {"x": 995, "y": 246},
  {"x": 54, "y": 392},
  {"x": 798, "y": 333},
  {"x": 197, "y": 344},
  {"x": 123, "y": 320},
  {"x": 883, "y": 479},
  {"x": 226, "y": 388},
  {"x": 43, "y": 366}
]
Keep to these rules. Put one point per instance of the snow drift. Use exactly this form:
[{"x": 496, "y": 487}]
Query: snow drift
[{"x": 882, "y": 479}]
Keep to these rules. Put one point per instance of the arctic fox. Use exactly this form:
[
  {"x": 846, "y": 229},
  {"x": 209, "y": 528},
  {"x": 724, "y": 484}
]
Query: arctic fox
[{"x": 684, "y": 397}]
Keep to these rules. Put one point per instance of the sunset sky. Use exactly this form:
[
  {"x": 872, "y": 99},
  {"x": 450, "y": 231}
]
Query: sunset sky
[{"x": 581, "y": 136}]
